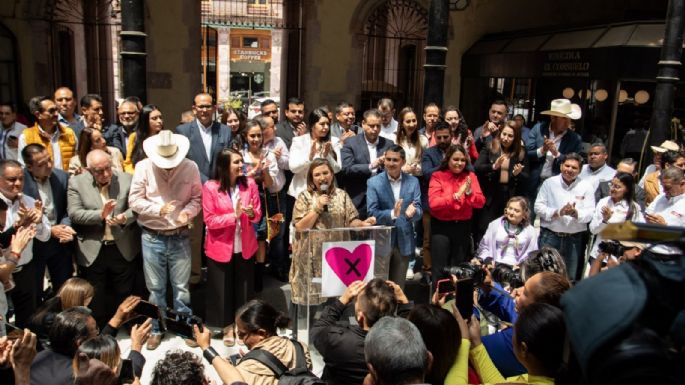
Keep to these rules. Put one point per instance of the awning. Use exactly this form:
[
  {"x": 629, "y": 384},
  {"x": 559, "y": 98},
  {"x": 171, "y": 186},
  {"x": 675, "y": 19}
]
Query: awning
[{"x": 627, "y": 50}]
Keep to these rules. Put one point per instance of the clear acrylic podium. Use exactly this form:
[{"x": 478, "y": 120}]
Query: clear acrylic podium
[{"x": 307, "y": 248}]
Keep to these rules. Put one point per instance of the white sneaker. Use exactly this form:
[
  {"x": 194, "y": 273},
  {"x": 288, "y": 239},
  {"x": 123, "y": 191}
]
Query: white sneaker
[{"x": 410, "y": 274}]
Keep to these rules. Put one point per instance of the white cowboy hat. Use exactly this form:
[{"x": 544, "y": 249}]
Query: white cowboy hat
[
  {"x": 667, "y": 145},
  {"x": 166, "y": 149},
  {"x": 564, "y": 108}
]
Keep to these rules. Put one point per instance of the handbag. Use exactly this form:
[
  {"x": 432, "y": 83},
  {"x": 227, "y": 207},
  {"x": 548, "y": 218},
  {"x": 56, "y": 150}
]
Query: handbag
[{"x": 273, "y": 223}]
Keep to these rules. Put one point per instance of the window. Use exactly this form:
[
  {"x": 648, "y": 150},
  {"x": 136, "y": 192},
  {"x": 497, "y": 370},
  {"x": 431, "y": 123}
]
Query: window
[
  {"x": 257, "y": 2},
  {"x": 250, "y": 42}
]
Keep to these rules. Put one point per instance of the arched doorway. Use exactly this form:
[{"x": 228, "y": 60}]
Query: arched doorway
[
  {"x": 394, "y": 38},
  {"x": 9, "y": 78}
]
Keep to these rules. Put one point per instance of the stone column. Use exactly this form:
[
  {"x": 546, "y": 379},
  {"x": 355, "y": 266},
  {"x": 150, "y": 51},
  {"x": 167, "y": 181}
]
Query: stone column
[{"x": 223, "y": 64}]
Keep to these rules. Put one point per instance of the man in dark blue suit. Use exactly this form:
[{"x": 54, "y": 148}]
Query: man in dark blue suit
[
  {"x": 44, "y": 183},
  {"x": 430, "y": 161},
  {"x": 362, "y": 158},
  {"x": 549, "y": 141},
  {"x": 207, "y": 138},
  {"x": 394, "y": 198}
]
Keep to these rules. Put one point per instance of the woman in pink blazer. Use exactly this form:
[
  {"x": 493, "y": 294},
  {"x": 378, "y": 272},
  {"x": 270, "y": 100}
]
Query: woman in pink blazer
[{"x": 230, "y": 205}]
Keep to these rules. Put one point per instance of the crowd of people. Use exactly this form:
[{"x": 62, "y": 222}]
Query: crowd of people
[{"x": 95, "y": 217}]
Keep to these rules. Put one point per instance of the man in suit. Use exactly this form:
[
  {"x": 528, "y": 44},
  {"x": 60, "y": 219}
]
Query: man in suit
[
  {"x": 92, "y": 114},
  {"x": 394, "y": 198},
  {"x": 109, "y": 237},
  {"x": 44, "y": 183},
  {"x": 117, "y": 135},
  {"x": 207, "y": 138},
  {"x": 362, "y": 158},
  {"x": 549, "y": 141}
]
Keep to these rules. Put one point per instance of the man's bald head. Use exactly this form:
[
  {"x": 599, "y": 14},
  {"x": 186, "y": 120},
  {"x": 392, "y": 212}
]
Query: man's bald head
[{"x": 98, "y": 158}]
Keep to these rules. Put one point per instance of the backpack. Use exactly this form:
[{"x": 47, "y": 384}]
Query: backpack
[{"x": 299, "y": 375}]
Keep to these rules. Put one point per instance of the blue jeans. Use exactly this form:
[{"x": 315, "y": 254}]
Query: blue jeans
[
  {"x": 167, "y": 255},
  {"x": 571, "y": 248}
]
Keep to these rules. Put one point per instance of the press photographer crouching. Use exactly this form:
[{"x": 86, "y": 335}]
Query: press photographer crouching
[
  {"x": 613, "y": 253},
  {"x": 627, "y": 324}
]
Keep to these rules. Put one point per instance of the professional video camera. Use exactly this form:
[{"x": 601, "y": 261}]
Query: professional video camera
[
  {"x": 627, "y": 324},
  {"x": 611, "y": 248}
]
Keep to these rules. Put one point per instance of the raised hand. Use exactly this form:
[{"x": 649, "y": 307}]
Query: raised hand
[
  {"x": 606, "y": 213},
  {"x": 518, "y": 167},
  {"x": 397, "y": 208},
  {"x": 168, "y": 208}
]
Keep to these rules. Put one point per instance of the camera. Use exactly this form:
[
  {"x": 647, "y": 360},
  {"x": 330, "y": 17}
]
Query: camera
[
  {"x": 611, "y": 248},
  {"x": 181, "y": 324}
]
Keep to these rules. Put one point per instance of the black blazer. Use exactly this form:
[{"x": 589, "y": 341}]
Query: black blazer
[
  {"x": 489, "y": 178},
  {"x": 116, "y": 137},
  {"x": 59, "y": 182},
  {"x": 221, "y": 138},
  {"x": 355, "y": 167}
]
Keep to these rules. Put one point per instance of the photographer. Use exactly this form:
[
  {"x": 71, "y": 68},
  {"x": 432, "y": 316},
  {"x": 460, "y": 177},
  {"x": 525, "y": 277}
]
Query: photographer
[
  {"x": 615, "y": 253},
  {"x": 544, "y": 287},
  {"x": 342, "y": 346},
  {"x": 257, "y": 324}
]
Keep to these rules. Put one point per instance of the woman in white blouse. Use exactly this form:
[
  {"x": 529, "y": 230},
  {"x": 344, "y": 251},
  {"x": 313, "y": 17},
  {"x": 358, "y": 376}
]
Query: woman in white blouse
[
  {"x": 618, "y": 207},
  {"x": 411, "y": 141},
  {"x": 306, "y": 148}
]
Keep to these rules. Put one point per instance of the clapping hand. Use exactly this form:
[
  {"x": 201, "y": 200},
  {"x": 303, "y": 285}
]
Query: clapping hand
[
  {"x": 518, "y": 167},
  {"x": 168, "y": 208},
  {"x": 499, "y": 161},
  {"x": 411, "y": 210},
  {"x": 606, "y": 213},
  {"x": 397, "y": 208}
]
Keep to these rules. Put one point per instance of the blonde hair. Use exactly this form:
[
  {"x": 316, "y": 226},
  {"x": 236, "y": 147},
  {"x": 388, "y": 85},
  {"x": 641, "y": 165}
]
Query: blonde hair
[{"x": 74, "y": 292}]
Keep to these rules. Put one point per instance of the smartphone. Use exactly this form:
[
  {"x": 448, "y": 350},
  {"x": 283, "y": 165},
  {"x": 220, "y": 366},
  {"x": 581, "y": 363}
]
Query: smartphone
[
  {"x": 147, "y": 309},
  {"x": 235, "y": 358},
  {"x": 445, "y": 286},
  {"x": 126, "y": 375},
  {"x": 181, "y": 328},
  {"x": 464, "y": 297}
]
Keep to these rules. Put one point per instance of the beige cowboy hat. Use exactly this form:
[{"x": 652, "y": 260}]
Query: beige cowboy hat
[
  {"x": 166, "y": 149},
  {"x": 639, "y": 245},
  {"x": 667, "y": 145},
  {"x": 564, "y": 108}
]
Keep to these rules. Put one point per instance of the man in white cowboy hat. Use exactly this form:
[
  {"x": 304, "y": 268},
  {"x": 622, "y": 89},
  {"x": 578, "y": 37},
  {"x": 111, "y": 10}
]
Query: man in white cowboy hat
[
  {"x": 166, "y": 193},
  {"x": 658, "y": 151},
  {"x": 548, "y": 141}
]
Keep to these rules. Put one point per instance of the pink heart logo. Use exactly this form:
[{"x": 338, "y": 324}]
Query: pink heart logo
[{"x": 350, "y": 267}]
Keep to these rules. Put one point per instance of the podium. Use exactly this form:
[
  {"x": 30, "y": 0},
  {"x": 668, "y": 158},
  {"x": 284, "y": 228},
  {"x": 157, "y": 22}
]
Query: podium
[{"x": 308, "y": 256}]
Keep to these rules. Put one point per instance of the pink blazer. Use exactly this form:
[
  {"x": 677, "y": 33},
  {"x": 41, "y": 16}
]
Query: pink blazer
[{"x": 219, "y": 216}]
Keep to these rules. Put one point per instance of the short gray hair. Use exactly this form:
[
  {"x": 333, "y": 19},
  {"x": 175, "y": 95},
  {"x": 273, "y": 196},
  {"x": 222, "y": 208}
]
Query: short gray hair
[
  {"x": 674, "y": 174},
  {"x": 390, "y": 364}
]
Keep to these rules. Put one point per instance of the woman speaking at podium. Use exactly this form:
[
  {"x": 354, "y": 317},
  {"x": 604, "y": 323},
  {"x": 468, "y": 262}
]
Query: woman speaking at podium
[{"x": 321, "y": 206}]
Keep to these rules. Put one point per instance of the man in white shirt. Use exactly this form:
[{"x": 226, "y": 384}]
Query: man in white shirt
[
  {"x": 565, "y": 205},
  {"x": 597, "y": 170},
  {"x": 22, "y": 211},
  {"x": 11, "y": 130},
  {"x": 388, "y": 122},
  {"x": 668, "y": 208}
]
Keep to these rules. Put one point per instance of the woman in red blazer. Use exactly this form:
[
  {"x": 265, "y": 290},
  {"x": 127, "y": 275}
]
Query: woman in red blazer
[
  {"x": 453, "y": 193},
  {"x": 230, "y": 205}
]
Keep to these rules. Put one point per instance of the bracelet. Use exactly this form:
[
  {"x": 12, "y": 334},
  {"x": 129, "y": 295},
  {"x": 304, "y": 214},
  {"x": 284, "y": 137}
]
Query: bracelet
[{"x": 210, "y": 354}]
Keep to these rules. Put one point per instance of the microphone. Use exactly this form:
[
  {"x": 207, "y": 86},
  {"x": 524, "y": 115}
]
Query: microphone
[{"x": 324, "y": 189}]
